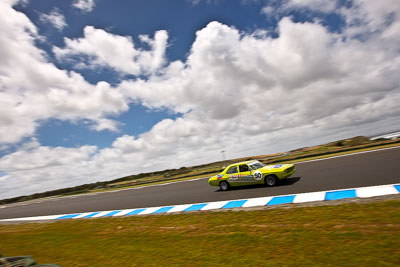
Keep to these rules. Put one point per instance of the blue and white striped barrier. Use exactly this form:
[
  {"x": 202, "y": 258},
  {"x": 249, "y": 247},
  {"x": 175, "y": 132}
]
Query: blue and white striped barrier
[{"x": 361, "y": 192}]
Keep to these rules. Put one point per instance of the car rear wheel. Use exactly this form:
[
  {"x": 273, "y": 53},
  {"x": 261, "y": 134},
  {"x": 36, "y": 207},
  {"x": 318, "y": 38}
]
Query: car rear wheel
[
  {"x": 271, "y": 180},
  {"x": 224, "y": 186}
]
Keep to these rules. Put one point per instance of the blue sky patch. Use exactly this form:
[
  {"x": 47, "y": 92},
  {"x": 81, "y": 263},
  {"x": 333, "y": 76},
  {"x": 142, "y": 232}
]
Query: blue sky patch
[{"x": 137, "y": 120}]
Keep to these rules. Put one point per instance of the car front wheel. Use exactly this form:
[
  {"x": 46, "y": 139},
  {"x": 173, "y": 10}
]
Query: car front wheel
[
  {"x": 271, "y": 180},
  {"x": 224, "y": 186}
]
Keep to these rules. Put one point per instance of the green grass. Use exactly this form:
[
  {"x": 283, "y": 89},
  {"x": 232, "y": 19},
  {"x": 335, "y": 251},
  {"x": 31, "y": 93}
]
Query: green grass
[{"x": 351, "y": 234}]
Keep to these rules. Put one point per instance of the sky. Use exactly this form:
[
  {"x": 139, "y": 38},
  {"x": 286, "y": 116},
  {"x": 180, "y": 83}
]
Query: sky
[{"x": 93, "y": 90}]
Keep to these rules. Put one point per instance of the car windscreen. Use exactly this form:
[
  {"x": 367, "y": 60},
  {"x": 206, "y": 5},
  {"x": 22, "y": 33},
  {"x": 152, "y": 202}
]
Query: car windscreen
[{"x": 256, "y": 165}]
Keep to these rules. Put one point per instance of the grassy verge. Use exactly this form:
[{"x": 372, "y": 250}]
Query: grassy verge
[
  {"x": 350, "y": 234},
  {"x": 342, "y": 153}
]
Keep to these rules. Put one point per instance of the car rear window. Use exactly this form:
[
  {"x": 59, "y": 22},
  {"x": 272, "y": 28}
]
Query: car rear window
[{"x": 232, "y": 169}]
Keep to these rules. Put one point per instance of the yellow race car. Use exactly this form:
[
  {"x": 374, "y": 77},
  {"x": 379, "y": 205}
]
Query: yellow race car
[{"x": 251, "y": 172}]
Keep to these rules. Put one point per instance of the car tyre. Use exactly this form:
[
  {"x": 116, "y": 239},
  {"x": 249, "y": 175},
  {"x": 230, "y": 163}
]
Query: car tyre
[
  {"x": 270, "y": 180},
  {"x": 224, "y": 186}
]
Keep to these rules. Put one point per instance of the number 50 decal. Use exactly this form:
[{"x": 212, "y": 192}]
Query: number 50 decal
[{"x": 257, "y": 175}]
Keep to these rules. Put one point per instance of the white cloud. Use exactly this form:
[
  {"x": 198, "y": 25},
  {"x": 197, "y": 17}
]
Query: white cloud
[
  {"x": 268, "y": 10},
  {"x": 368, "y": 18},
  {"x": 225, "y": 70},
  {"x": 84, "y": 5},
  {"x": 117, "y": 52},
  {"x": 33, "y": 89},
  {"x": 303, "y": 78},
  {"x": 247, "y": 94},
  {"x": 271, "y": 10},
  {"x": 326, "y": 6},
  {"x": 55, "y": 18},
  {"x": 33, "y": 157}
]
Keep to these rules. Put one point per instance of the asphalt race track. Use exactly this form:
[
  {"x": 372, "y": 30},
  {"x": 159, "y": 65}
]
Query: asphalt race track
[{"x": 367, "y": 169}]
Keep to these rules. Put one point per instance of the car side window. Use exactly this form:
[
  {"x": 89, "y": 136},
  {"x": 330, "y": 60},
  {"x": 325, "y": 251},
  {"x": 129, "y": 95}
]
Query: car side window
[
  {"x": 243, "y": 168},
  {"x": 232, "y": 169}
]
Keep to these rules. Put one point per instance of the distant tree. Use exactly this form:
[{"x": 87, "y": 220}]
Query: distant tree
[{"x": 340, "y": 143}]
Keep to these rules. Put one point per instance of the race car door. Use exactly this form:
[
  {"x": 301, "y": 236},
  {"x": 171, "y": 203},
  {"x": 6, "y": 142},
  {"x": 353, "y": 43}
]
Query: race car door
[{"x": 245, "y": 175}]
